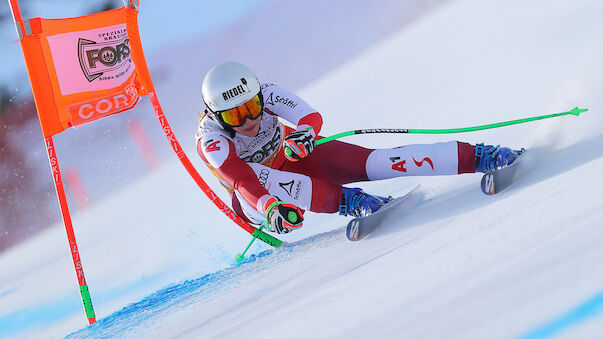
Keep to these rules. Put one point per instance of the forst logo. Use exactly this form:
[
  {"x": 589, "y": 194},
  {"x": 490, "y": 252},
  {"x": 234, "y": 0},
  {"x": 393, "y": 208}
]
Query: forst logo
[
  {"x": 103, "y": 106},
  {"x": 267, "y": 149},
  {"x": 98, "y": 58}
]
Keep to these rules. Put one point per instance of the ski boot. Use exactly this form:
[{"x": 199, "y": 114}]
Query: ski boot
[
  {"x": 355, "y": 202},
  {"x": 491, "y": 158}
]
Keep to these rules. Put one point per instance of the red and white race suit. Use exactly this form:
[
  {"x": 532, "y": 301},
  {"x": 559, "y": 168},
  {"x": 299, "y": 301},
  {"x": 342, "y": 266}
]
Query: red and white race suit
[{"x": 255, "y": 168}]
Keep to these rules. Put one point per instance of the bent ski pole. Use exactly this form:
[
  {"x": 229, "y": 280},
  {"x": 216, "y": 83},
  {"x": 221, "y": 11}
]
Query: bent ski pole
[
  {"x": 241, "y": 256},
  {"x": 576, "y": 111},
  {"x": 259, "y": 234}
]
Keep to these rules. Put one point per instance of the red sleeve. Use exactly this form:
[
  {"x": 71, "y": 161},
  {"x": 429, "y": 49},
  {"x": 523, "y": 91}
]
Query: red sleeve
[
  {"x": 236, "y": 172},
  {"x": 312, "y": 119}
]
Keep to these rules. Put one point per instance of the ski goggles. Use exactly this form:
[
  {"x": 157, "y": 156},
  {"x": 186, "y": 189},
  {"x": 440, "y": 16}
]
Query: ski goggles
[{"x": 236, "y": 117}]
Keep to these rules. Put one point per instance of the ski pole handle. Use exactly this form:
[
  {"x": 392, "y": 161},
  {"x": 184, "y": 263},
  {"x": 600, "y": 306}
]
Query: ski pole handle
[
  {"x": 288, "y": 151},
  {"x": 575, "y": 111}
]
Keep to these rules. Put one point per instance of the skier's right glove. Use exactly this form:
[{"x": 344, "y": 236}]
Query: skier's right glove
[
  {"x": 299, "y": 144},
  {"x": 283, "y": 217}
]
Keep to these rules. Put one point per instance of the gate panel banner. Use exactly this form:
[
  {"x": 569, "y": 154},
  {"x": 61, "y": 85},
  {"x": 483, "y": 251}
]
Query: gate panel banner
[{"x": 85, "y": 68}]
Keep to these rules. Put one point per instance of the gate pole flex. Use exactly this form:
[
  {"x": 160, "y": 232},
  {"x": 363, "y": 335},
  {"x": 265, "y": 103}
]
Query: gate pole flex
[
  {"x": 255, "y": 232},
  {"x": 60, "y": 190},
  {"x": 24, "y": 30}
]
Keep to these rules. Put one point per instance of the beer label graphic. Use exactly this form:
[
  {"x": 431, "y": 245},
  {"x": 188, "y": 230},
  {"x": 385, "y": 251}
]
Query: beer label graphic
[
  {"x": 92, "y": 60},
  {"x": 97, "y": 59}
]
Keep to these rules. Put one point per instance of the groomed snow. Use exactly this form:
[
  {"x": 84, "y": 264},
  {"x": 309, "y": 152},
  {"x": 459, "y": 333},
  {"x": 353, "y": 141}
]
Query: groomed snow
[{"x": 460, "y": 265}]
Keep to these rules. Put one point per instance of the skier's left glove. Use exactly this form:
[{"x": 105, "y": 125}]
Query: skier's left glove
[
  {"x": 283, "y": 217},
  {"x": 299, "y": 144}
]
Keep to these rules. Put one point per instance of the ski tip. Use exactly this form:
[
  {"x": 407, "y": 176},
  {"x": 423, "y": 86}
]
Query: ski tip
[
  {"x": 353, "y": 229},
  {"x": 488, "y": 184},
  {"x": 576, "y": 111}
]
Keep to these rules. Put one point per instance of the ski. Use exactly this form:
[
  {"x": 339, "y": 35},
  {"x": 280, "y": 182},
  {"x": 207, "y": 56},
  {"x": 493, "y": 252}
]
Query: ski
[
  {"x": 360, "y": 227},
  {"x": 496, "y": 181}
]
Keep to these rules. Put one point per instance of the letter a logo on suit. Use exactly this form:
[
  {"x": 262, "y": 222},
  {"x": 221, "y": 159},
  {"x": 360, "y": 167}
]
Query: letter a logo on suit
[
  {"x": 214, "y": 146},
  {"x": 399, "y": 166}
]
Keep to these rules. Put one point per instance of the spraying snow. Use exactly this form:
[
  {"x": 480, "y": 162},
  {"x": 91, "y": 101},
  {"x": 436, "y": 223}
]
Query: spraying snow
[{"x": 461, "y": 264}]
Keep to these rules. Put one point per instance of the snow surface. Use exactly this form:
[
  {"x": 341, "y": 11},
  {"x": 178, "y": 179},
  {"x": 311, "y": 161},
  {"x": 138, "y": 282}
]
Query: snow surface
[{"x": 526, "y": 263}]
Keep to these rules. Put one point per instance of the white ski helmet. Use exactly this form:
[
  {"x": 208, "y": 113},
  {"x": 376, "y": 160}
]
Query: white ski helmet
[{"x": 228, "y": 85}]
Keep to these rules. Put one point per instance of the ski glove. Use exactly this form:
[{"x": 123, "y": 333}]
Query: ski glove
[
  {"x": 299, "y": 144},
  {"x": 282, "y": 217}
]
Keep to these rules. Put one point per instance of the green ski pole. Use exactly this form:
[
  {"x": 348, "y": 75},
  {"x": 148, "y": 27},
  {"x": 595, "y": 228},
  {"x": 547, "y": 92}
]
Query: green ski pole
[
  {"x": 576, "y": 111},
  {"x": 241, "y": 256},
  {"x": 267, "y": 238}
]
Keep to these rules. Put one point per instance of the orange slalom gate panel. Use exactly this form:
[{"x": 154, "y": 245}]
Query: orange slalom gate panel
[{"x": 84, "y": 68}]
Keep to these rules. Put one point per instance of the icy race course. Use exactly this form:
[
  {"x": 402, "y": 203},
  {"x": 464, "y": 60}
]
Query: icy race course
[{"x": 526, "y": 263}]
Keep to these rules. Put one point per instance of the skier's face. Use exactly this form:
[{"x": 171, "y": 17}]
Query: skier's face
[{"x": 250, "y": 128}]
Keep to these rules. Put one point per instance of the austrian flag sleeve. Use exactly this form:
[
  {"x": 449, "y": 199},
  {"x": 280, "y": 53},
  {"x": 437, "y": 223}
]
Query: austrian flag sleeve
[{"x": 84, "y": 68}]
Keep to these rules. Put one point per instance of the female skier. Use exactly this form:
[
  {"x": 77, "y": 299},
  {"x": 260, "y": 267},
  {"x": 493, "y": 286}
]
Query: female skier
[{"x": 242, "y": 141}]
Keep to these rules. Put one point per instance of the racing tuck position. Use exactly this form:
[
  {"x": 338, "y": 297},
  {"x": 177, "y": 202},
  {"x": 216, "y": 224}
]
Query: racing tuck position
[{"x": 243, "y": 142}]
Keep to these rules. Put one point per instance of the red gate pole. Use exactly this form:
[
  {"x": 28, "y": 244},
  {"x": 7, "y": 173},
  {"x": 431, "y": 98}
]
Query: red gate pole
[
  {"x": 75, "y": 254},
  {"x": 58, "y": 183},
  {"x": 257, "y": 233}
]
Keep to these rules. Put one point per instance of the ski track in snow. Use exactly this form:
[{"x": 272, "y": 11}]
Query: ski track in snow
[{"x": 525, "y": 263}]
